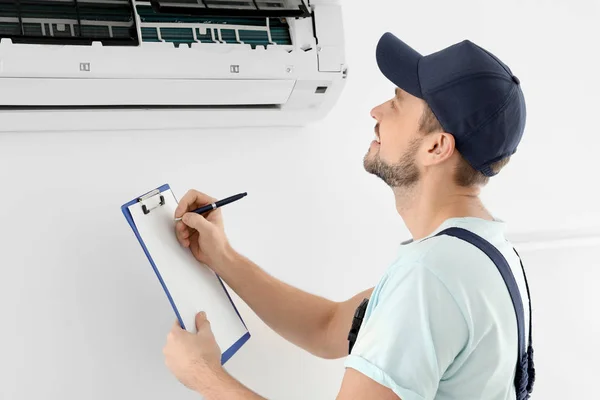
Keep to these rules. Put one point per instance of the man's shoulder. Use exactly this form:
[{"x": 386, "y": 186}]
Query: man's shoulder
[
  {"x": 452, "y": 260},
  {"x": 425, "y": 258},
  {"x": 436, "y": 250}
]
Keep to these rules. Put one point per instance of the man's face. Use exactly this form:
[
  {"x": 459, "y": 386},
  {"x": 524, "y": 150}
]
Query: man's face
[{"x": 391, "y": 155}]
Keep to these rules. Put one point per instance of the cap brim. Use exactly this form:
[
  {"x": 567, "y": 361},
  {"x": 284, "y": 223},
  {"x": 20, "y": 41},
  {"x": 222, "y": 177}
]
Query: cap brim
[{"x": 399, "y": 63}]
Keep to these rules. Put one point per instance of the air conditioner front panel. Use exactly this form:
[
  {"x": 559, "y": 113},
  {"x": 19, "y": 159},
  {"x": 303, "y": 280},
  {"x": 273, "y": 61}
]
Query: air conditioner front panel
[{"x": 76, "y": 93}]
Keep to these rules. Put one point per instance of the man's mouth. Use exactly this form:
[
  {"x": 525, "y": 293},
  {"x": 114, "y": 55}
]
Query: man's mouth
[{"x": 377, "y": 139}]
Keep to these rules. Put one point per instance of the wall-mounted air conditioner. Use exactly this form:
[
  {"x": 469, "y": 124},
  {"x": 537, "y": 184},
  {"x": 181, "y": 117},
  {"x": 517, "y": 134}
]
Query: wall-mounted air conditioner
[{"x": 120, "y": 64}]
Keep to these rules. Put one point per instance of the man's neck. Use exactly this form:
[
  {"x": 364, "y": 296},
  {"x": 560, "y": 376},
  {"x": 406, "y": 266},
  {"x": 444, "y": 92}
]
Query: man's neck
[{"x": 424, "y": 209}]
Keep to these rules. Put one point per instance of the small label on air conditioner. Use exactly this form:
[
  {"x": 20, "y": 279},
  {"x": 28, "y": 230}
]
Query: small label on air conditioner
[{"x": 235, "y": 69}]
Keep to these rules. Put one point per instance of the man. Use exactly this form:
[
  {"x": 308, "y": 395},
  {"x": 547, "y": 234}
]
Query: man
[{"x": 440, "y": 324}]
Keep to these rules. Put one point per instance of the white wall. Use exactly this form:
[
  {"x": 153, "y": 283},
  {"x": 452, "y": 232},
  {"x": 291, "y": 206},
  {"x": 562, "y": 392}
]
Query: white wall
[
  {"x": 566, "y": 326},
  {"x": 83, "y": 316}
]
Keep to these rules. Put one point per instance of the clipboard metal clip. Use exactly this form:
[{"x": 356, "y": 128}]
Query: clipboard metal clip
[{"x": 149, "y": 195}]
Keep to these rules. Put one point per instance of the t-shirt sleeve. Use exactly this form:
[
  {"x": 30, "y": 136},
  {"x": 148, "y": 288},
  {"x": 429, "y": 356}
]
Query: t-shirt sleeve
[{"x": 413, "y": 333}]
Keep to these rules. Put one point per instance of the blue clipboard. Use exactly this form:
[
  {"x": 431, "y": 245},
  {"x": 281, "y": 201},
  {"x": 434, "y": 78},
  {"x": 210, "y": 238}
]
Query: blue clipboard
[{"x": 228, "y": 353}]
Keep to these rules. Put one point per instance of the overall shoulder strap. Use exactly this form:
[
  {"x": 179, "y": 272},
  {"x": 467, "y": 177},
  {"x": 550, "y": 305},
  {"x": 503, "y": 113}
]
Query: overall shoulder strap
[{"x": 494, "y": 254}]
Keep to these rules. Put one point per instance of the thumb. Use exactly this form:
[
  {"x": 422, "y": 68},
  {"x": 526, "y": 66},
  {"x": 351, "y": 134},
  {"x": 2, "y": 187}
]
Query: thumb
[
  {"x": 200, "y": 320},
  {"x": 196, "y": 221}
]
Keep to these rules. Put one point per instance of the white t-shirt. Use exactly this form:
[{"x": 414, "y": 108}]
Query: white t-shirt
[{"x": 440, "y": 324}]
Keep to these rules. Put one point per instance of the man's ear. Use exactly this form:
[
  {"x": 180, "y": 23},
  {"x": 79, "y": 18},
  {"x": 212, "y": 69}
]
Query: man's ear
[{"x": 440, "y": 146}]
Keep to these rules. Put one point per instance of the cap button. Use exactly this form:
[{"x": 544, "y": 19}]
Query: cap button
[{"x": 516, "y": 80}]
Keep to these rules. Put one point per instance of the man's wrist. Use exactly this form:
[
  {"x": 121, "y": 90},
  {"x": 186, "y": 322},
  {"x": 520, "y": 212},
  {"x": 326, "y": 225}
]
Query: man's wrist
[
  {"x": 208, "y": 378},
  {"x": 228, "y": 260}
]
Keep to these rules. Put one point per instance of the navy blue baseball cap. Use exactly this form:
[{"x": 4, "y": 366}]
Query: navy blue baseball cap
[{"x": 473, "y": 94}]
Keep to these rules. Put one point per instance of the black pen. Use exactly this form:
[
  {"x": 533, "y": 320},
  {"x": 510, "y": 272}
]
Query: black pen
[{"x": 217, "y": 204}]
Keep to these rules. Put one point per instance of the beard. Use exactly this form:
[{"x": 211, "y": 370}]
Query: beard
[{"x": 402, "y": 174}]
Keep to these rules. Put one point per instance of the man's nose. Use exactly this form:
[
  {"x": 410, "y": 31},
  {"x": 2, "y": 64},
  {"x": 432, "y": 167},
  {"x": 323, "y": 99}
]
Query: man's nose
[{"x": 375, "y": 113}]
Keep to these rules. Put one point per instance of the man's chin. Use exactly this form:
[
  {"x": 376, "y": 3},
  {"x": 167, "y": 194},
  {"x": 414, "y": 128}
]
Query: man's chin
[
  {"x": 371, "y": 157},
  {"x": 370, "y": 163}
]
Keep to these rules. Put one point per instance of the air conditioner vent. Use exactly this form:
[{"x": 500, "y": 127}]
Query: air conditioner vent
[
  {"x": 235, "y": 8},
  {"x": 181, "y": 28},
  {"x": 111, "y": 22}
]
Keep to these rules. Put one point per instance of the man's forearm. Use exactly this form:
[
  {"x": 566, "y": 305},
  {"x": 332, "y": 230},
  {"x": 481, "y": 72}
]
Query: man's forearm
[
  {"x": 222, "y": 386},
  {"x": 298, "y": 316}
]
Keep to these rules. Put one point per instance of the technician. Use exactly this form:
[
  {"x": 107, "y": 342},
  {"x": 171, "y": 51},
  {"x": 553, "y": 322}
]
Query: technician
[{"x": 441, "y": 323}]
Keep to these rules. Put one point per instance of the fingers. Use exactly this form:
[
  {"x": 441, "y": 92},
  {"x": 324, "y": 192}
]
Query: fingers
[
  {"x": 196, "y": 221},
  {"x": 182, "y": 230},
  {"x": 192, "y": 200},
  {"x": 176, "y": 328},
  {"x": 183, "y": 233}
]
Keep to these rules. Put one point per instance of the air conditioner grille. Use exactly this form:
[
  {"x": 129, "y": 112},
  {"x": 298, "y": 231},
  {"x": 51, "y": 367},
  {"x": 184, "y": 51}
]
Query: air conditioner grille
[
  {"x": 68, "y": 21},
  {"x": 186, "y": 29},
  {"x": 176, "y": 22}
]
